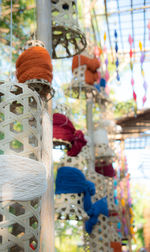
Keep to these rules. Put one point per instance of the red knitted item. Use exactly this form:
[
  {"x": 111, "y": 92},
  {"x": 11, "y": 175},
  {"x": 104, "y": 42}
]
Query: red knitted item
[
  {"x": 105, "y": 169},
  {"x": 64, "y": 129}
]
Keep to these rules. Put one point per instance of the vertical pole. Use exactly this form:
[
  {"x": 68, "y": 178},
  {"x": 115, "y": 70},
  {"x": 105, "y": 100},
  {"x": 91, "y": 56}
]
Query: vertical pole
[
  {"x": 89, "y": 104},
  {"x": 44, "y": 23},
  {"x": 44, "y": 33},
  {"x": 89, "y": 123}
]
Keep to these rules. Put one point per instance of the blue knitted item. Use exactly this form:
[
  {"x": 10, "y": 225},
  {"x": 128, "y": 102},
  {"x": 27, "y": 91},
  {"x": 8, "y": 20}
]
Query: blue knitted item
[
  {"x": 72, "y": 180},
  {"x": 102, "y": 83},
  {"x": 99, "y": 207}
]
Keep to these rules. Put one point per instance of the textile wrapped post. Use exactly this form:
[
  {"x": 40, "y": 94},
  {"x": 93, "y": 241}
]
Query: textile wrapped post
[
  {"x": 68, "y": 40},
  {"x": 34, "y": 68},
  {"x": 20, "y": 127}
]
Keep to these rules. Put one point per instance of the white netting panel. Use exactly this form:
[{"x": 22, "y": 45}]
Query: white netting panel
[
  {"x": 104, "y": 187},
  {"x": 79, "y": 87},
  {"x": 20, "y": 121},
  {"x": 69, "y": 206},
  {"x": 110, "y": 193},
  {"x": 19, "y": 226},
  {"x": 99, "y": 239},
  {"x": 114, "y": 235},
  {"x": 31, "y": 43},
  {"x": 63, "y": 109},
  {"x": 100, "y": 185}
]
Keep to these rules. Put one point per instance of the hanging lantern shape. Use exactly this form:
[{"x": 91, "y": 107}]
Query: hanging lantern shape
[
  {"x": 102, "y": 150},
  {"x": 106, "y": 59},
  {"x": 117, "y": 59},
  {"x": 67, "y": 40},
  {"x": 20, "y": 128},
  {"x": 85, "y": 75}
]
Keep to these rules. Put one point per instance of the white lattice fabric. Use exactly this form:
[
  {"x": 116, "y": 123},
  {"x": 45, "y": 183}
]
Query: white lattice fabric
[
  {"x": 114, "y": 235},
  {"x": 99, "y": 239},
  {"x": 63, "y": 109},
  {"x": 20, "y": 121},
  {"x": 19, "y": 226},
  {"x": 69, "y": 206},
  {"x": 100, "y": 185},
  {"x": 20, "y": 134}
]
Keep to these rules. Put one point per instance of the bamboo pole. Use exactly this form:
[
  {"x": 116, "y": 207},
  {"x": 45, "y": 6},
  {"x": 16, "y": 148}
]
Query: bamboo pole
[{"x": 44, "y": 33}]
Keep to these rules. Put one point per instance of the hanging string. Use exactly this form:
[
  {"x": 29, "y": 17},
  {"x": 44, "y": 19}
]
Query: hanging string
[
  {"x": 130, "y": 40},
  {"x": 148, "y": 26},
  {"x": 34, "y": 16},
  {"x": 11, "y": 32},
  {"x": 106, "y": 59},
  {"x": 34, "y": 63},
  {"x": 142, "y": 58},
  {"x": 117, "y": 60}
]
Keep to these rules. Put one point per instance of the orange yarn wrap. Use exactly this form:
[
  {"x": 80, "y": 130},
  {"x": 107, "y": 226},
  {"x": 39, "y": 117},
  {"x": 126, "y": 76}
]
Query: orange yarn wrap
[
  {"x": 34, "y": 63},
  {"x": 91, "y": 75},
  {"x": 116, "y": 246}
]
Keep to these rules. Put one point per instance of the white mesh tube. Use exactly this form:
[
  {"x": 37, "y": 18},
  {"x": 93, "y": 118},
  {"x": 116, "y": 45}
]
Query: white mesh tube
[{"x": 21, "y": 179}]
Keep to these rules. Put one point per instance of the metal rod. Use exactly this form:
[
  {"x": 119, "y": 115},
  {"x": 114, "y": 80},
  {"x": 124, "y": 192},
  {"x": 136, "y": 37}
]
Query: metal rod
[
  {"x": 144, "y": 14},
  {"x": 106, "y": 15},
  {"x": 132, "y": 28},
  {"x": 126, "y": 10},
  {"x": 119, "y": 19},
  {"x": 44, "y": 29},
  {"x": 44, "y": 33}
]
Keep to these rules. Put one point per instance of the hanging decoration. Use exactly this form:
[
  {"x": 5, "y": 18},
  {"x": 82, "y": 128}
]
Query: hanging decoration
[
  {"x": 105, "y": 59},
  {"x": 142, "y": 58},
  {"x": 34, "y": 68},
  {"x": 103, "y": 73},
  {"x": 126, "y": 211},
  {"x": 91, "y": 74},
  {"x": 117, "y": 59},
  {"x": 84, "y": 70},
  {"x": 68, "y": 39},
  {"x": 130, "y": 40}
]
